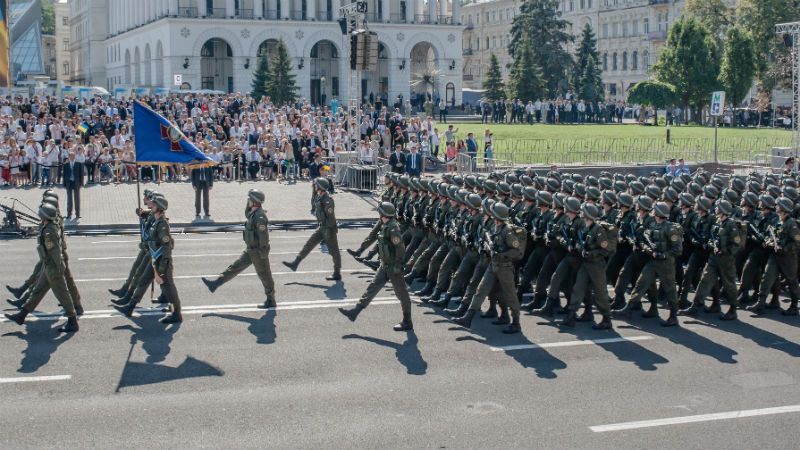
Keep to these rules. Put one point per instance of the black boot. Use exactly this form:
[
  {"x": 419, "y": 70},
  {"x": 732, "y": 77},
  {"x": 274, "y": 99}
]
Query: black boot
[
  {"x": 18, "y": 318},
  {"x": 16, "y": 292},
  {"x": 548, "y": 310},
  {"x": 775, "y": 303},
  {"x": 672, "y": 320},
  {"x": 651, "y": 312},
  {"x": 514, "y": 327},
  {"x": 604, "y": 324},
  {"x": 161, "y": 299},
  {"x": 427, "y": 289},
  {"x": 791, "y": 310},
  {"x": 730, "y": 314},
  {"x": 405, "y": 324},
  {"x": 126, "y": 310},
  {"x": 618, "y": 303},
  {"x": 335, "y": 277},
  {"x": 269, "y": 303},
  {"x": 353, "y": 253},
  {"x": 15, "y": 303},
  {"x": 71, "y": 326},
  {"x": 490, "y": 313},
  {"x": 759, "y": 308},
  {"x": 627, "y": 310},
  {"x": 684, "y": 303},
  {"x": 121, "y": 301},
  {"x": 175, "y": 317},
  {"x": 434, "y": 296},
  {"x": 466, "y": 320},
  {"x": 462, "y": 309},
  {"x": 353, "y": 312},
  {"x": 569, "y": 320},
  {"x": 292, "y": 265},
  {"x": 504, "y": 318},
  {"x": 211, "y": 285},
  {"x": 79, "y": 310},
  {"x": 442, "y": 302},
  {"x": 713, "y": 308},
  {"x": 692, "y": 310},
  {"x": 372, "y": 264},
  {"x": 410, "y": 278},
  {"x": 118, "y": 292},
  {"x": 586, "y": 315}
]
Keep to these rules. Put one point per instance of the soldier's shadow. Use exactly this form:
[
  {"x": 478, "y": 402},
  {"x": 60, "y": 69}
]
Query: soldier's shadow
[
  {"x": 687, "y": 338},
  {"x": 335, "y": 292},
  {"x": 263, "y": 328},
  {"x": 155, "y": 338},
  {"x": 42, "y": 339},
  {"x": 407, "y": 353},
  {"x": 759, "y": 336}
]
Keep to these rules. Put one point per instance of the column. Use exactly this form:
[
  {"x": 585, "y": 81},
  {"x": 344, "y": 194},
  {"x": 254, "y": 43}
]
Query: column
[
  {"x": 432, "y": 11},
  {"x": 230, "y": 8},
  {"x": 387, "y": 6},
  {"x": 286, "y": 6},
  {"x": 335, "y": 5},
  {"x": 201, "y": 10},
  {"x": 258, "y": 9},
  {"x": 443, "y": 8},
  {"x": 311, "y": 9},
  {"x": 455, "y": 11},
  {"x": 410, "y": 5},
  {"x": 173, "y": 8}
]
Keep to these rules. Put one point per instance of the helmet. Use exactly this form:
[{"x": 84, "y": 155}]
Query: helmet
[
  {"x": 499, "y": 211},
  {"x": 678, "y": 185},
  {"x": 610, "y": 197},
  {"x": 161, "y": 202},
  {"x": 578, "y": 178},
  {"x": 256, "y": 196},
  {"x": 386, "y": 209},
  {"x": 668, "y": 178},
  {"x": 490, "y": 185},
  {"x": 644, "y": 202},
  {"x": 620, "y": 186},
  {"x": 425, "y": 184},
  {"x": 503, "y": 188},
  {"x": 790, "y": 193},
  {"x": 322, "y": 183},
  {"x": 50, "y": 201},
  {"x": 661, "y": 209},
  {"x": 473, "y": 201},
  {"x": 486, "y": 204},
  {"x": 605, "y": 173},
  {"x": 47, "y": 212},
  {"x": 433, "y": 186},
  {"x": 462, "y": 195},
  {"x": 625, "y": 199},
  {"x": 767, "y": 201},
  {"x": 671, "y": 194},
  {"x": 529, "y": 193},
  {"x": 605, "y": 183},
  {"x": 653, "y": 192},
  {"x": 718, "y": 183},
  {"x": 558, "y": 200},
  {"x": 52, "y": 193},
  {"x": 590, "y": 211},
  {"x": 687, "y": 200},
  {"x": 580, "y": 190},
  {"x": 572, "y": 204},
  {"x": 785, "y": 205},
  {"x": 592, "y": 180},
  {"x": 402, "y": 181},
  {"x": 630, "y": 177},
  {"x": 750, "y": 199},
  {"x": 544, "y": 198},
  {"x": 754, "y": 186},
  {"x": 660, "y": 182},
  {"x": 774, "y": 190},
  {"x": 553, "y": 185},
  {"x": 732, "y": 196},
  {"x": 512, "y": 178},
  {"x": 791, "y": 182},
  {"x": 470, "y": 181},
  {"x": 458, "y": 180},
  {"x": 686, "y": 178},
  {"x": 413, "y": 184},
  {"x": 526, "y": 180},
  {"x": 725, "y": 207},
  {"x": 568, "y": 186},
  {"x": 695, "y": 189},
  {"x": 540, "y": 183},
  {"x": 704, "y": 203},
  {"x": 637, "y": 188},
  {"x": 592, "y": 193},
  {"x": 147, "y": 193},
  {"x": 443, "y": 189},
  {"x": 452, "y": 190},
  {"x": 738, "y": 184},
  {"x": 711, "y": 191}
]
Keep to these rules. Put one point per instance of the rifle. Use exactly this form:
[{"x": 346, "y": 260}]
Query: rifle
[
  {"x": 772, "y": 241},
  {"x": 713, "y": 243},
  {"x": 580, "y": 243},
  {"x": 759, "y": 237},
  {"x": 487, "y": 244},
  {"x": 648, "y": 246}
]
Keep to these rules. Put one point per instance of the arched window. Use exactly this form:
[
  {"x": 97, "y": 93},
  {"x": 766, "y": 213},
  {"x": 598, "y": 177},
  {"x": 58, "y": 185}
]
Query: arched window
[
  {"x": 646, "y": 60},
  {"x": 605, "y": 62},
  {"x": 635, "y": 60},
  {"x": 614, "y": 61},
  {"x": 624, "y": 60}
]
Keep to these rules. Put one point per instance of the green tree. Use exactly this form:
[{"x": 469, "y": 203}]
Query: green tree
[
  {"x": 690, "y": 62},
  {"x": 541, "y": 22},
  {"x": 716, "y": 15},
  {"x": 261, "y": 78},
  {"x": 587, "y": 76},
  {"x": 738, "y": 64},
  {"x": 281, "y": 84},
  {"x": 657, "y": 94},
  {"x": 525, "y": 82},
  {"x": 48, "y": 17},
  {"x": 493, "y": 83},
  {"x": 773, "y": 59}
]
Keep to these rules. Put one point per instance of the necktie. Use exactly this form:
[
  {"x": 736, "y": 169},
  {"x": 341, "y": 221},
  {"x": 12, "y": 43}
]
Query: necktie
[{"x": 413, "y": 162}]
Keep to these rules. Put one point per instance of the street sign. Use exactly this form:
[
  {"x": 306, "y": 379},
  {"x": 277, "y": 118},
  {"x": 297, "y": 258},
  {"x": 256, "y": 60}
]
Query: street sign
[
  {"x": 717, "y": 103},
  {"x": 177, "y": 79}
]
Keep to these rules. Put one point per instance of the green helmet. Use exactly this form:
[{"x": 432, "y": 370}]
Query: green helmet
[
  {"x": 558, "y": 200},
  {"x": 620, "y": 186},
  {"x": 50, "y": 201},
  {"x": 590, "y": 211},
  {"x": 462, "y": 195},
  {"x": 469, "y": 180},
  {"x": 443, "y": 189},
  {"x": 499, "y": 211},
  {"x": 732, "y": 196},
  {"x": 687, "y": 200},
  {"x": 703, "y": 203},
  {"x": 452, "y": 190},
  {"x": 544, "y": 198},
  {"x": 678, "y": 185},
  {"x": 785, "y": 205},
  {"x": 644, "y": 202},
  {"x": 592, "y": 180},
  {"x": 774, "y": 190},
  {"x": 322, "y": 184},
  {"x": 573, "y": 205},
  {"x": 160, "y": 202},
  {"x": 425, "y": 184},
  {"x": 593, "y": 193},
  {"x": 402, "y": 181},
  {"x": 256, "y": 196},
  {"x": 609, "y": 197},
  {"x": 711, "y": 191},
  {"x": 516, "y": 190},
  {"x": 47, "y": 211},
  {"x": 486, "y": 204},
  {"x": 738, "y": 184},
  {"x": 750, "y": 199},
  {"x": 474, "y": 201},
  {"x": 580, "y": 190},
  {"x": 695, "y": 189},
  {"x": 503, "y": 188},
  {"x": 653, "y": 192},
  {"x": 568, "y": 186},
  {"x": 625, "y": 199},
  {"x": 661, "y": 209},
  {"x": 605, "y": 183},
  {"x": 660, "y": 182},
  {"x": 386, "y": 209},
  {"x": 526, "y": 180},
  {"x": 147, "y": 193},
  {"x": 529, "y": 193},
  {"x": 490, "y": 185},
  {"x": 458, "y": 180},
  {"x": 718, "y": 183},
  {"x": 553, "y": 185},
  {"x": 671, "y": 195},
  {"x": 725, "y": 207},
  {"x": 540, "y": 183},
  {"x": 637, "y": 188},
  {"x": 767, "y": 201},
  {"x": 790, "y": 193},
  {"x": 50, "y": 193}
]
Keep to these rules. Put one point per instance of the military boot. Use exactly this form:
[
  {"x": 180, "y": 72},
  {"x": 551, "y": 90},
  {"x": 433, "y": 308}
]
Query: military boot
[
  {"x": 269, "y": 303},
  {"x": 212, "y": 285},
  {"x": 118, "y": 292},
  {"x": 79, "y": 310},
  {"x": 465, "y": 320},
  {"x": 126, "y": 310},
  {"x": 354, "y": 253},
  {"x": 490, "y": 313},
  {"x": 672, "y": 320},
  {"x": 586, "y": 315},
  {"x": 15, "y": 303},
  {"x": 410, "y": 278},
  {"x": 569, "y": 320},
  {"x": 514, "y": 327},
  {"x": 161, "y": 299},
  {"x": 462, "y": 309},
  {"x": 337, "y": 276},
  {"x": 405, "y": 324},
  {"x": 628, "y": 309},
  {"x": 121, "y": 301},
  {"x": 434, "y": 296},
  {"x": 775, "y": 303},
  {"x": 353, "y": 312},
  {"x": 175, "y": 317},
  {"x": 713, "y": 308},
  {"x": 730, "y": 314},
  {"x": 618, "y": 303},
  {"x": 692, "y": 310},
  {"x": 504, "y": 319},
  {"x": 791, "y": 310},
  {"x": 651, "y": 312},
  {"x": 743, "y": 298},
  {"x": 16, "y": 292},
  {"x": 18, "y": 318},
  {"x": 372, "y": 264},
  {"x": 292, "y": 265},
  {"x": 71, "y": 326},
  {"x": 548, "y": 310},
  {"x": 759, "y": 308},
  {"x": 426, "y": 290},
  {"x": 604, "y": 324},
  {"x": 442, "y": 302}
]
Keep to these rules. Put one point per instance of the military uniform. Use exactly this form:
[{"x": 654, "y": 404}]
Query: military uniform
[
  {"x": 326, "y": 231},
  {"x": 782, "y": 261},
  {"x": 592, "y": 272},
  {"x": 721, "y": 265}
]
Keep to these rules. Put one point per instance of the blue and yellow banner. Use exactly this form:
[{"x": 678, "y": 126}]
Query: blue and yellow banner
[
  {"x": 5, "y": 46},
  {"x": 158, "y": 141}
]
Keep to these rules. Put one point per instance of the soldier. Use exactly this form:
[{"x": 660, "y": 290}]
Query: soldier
[
  {"x": 539, "y": 226},
  {"x": 392, "y": 253},
  {"x": 52, "y": 273},
  {"x": 160, "y": 270},
  {"x": 699, "y": 232},
  {"x": 256, "y": 240},
  {"x": 725, "y": 242},
  {"x": 326, "y": 231},
  {"x": 759, "y": 254},
  {"x": 625, "y": 224}
]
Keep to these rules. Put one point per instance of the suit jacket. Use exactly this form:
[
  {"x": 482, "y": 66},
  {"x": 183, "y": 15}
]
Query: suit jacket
[
  {"x": 203, "y": 177},
  {"x": 394, "y": 160},
  {"x": 74, "y": 173},
  {"x": 417, "y": 170}
]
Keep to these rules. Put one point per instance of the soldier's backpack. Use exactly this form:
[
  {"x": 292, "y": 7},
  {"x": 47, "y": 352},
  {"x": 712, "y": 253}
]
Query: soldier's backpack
[
  {"x": 741, "y": 228},
  {"x": 611, "y": 236},
  {"x": 522, "y": 238}
]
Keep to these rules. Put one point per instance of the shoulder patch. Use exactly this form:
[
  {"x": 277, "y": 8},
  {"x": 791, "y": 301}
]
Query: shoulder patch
[
  {"x": 165, "y": 239},
  {"x": 797, "y": 237},
  {"x": 603, "y": 244},
  {"x": 395, "y": 240},
  {"x": 48, "y": 243},
  {"x": 262, "y": 227},
  {"x": 329, "y": 210},
  {"x": 737, "y": 239},
  {"x": 673, "y": 238},
  {"x": 515, "y": 243}
]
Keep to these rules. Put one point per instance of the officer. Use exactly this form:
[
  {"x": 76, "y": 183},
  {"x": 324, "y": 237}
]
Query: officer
[
  {"x": 392, "y": 252},
  {"x": 52, "y": 276},
  {"x": 721, "y": 266},
  {"x": 145, "y": 222},
  {"x": 326, "y": 231},
  {"x": 256, "y": 240}
]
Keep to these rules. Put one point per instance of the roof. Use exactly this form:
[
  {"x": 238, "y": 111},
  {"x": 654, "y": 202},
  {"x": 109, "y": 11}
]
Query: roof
[{"x": 26, "y": 52}]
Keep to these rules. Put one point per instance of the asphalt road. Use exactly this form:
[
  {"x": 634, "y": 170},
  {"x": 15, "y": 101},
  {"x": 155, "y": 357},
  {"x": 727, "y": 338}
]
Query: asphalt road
[{"x": 234, "y": 376}]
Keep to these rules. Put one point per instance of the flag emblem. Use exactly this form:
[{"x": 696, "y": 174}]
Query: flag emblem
[{"x": 174, "y": 135}]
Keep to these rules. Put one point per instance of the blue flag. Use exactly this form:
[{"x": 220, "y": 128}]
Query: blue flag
[{"x": 159, "y": 141}]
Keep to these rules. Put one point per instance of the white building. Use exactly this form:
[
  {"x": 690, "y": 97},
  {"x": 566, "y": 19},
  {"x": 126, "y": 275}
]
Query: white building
[
  {"x": 214, "y": 44},
  {"x": 62, "y": 47},
  {"x": 487, "y": 31}
]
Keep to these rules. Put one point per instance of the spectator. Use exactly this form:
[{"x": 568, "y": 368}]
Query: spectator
[
  {"x": 202, "y": 182},
  {"x": 73, "y": 181},
  {"x": 672, "y": 168},
  {"x": 683, "y": 168},
  {"x": 397, "y": 159},
  {"x": 414, "y": 163},
  {"x": 450, "y": 157}
]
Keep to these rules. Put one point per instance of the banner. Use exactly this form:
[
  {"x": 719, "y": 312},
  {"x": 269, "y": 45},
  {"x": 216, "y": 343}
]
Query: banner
[
  {"x": 5, "y": 45},
  {"x": 159, "y": 141}
]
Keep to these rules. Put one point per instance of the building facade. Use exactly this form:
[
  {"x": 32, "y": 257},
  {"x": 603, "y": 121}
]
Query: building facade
[
  {"x": 89, "y": 27},
  {"x": 62, "y": 47},
  {"x": 215, "y": 44},
  {"x": 487, "y": 31}
]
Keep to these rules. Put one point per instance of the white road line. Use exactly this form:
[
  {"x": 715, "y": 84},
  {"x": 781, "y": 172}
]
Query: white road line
[
  {"x": 508, "y": 348},
  {"x": 32, "y": 379},
  {"x": 136, "y": 241},
  {"x": 110, "y": 258},
  {"x": 184, "y": 277},
  {"x": 698, "y": 418}
]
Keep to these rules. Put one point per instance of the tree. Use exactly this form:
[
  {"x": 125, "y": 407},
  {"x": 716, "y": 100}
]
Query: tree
[
  {"x": 657, "y": 94},
  {"x": 493, "y": 83},
  {"x": 541, "y": 22},
  {"x": 738, "y": 64},
  {"x": 716, "y": 15},
  {"x": 773, "y": 61},
  {"x": 281, "y": 85},
  {"x": 525, "y": 82},
  {"x": 689, "y": 61},
  {"x": 261, "y": 78},
  {"x": 48, "y": 17},
  {"x": 587, "y": 75}
]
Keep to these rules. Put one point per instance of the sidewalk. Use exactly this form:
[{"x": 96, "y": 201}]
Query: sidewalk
[{"x": 110, "y": 205}]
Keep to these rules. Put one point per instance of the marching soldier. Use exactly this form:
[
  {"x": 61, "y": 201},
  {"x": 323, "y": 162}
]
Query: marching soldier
[
  {"x": 326, "y": 231},
  {"x": 392, "y": 253},
  {"x": 256, "y": 253},
  {"x": 539, "y": 227},
  {"x": 759, "y": 254}
]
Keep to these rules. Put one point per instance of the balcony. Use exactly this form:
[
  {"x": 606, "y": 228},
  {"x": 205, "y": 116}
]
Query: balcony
[
  {"x": 469, "y": 26},
  {"x": 297, "y": 15},
  {"x": 422, "y": 19},
  {"x": 467, "y": 52},
  {"x": 245, "y": 14},
  {"x": 216, "y": 13},
  {"x": 187, "y": 12},
  {"x": 656, "y": 35},
  {"x": 398, "y": 18},
  {"x": 271, "y": 14}
]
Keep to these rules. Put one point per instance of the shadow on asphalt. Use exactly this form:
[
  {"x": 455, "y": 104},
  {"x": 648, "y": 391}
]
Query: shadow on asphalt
[
  {"x": 154, "y": 337},
  {"x": 759, "y": 336},
  {"x": 42, "y": 339},
  {"x": 686, "y": 338},
  {"x": 335, "y": 292},
  {"x": 262, "y": 328},
  {"x": 407, "y": 353}
]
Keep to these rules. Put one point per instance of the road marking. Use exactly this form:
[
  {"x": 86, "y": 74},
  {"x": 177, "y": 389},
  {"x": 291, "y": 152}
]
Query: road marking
[
  {"x": 509, "y": 348},
  {"x": 131, "y": 241},
  {"x": 32, "y": 379},
  {"x": 109, "y": 258},
  {"x": 207, "y": 309},
  {"x": 698, "y": 418},
  {"x": 185, "y": 277}
]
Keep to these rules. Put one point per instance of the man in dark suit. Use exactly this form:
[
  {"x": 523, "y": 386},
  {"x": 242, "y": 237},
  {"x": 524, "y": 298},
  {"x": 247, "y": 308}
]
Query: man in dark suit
[
  {"x": 414, "y": 163},
  {"x": 72, "y": 174},
  {"x": 202, "y": 182},
  {"x": 397, "y": 159}
]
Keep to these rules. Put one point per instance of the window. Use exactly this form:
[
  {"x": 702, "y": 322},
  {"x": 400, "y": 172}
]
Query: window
[
  {"x": 494, "y": 42},
  {"x": 605, "y": 30},
  {"x": 646, "y": 26},
  {"x": 614, "y": 61},
  {"x": 583, "y": 4},
  {"x": 477, "y": 44},
  {"x": 65, "y": 45},
  {"x": 624, "y": 29},
  {"x": 64, "y": 20},
  {"x": 615, "y": 29},
  {"x": 646, "y": 60},
  {"x": 487, "y": 43},
  {"x": 624, "y": 60},
  {"x": 572, "y": 5},
  {"x": 612, "y": 88},
  {"x": 635, "y": 60},
  {"x": 605, "y": 62},
  {"x": 635, "y": 28},
  {"x": 660, "y": 17},
  {"x": 589, "y": 3}
]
